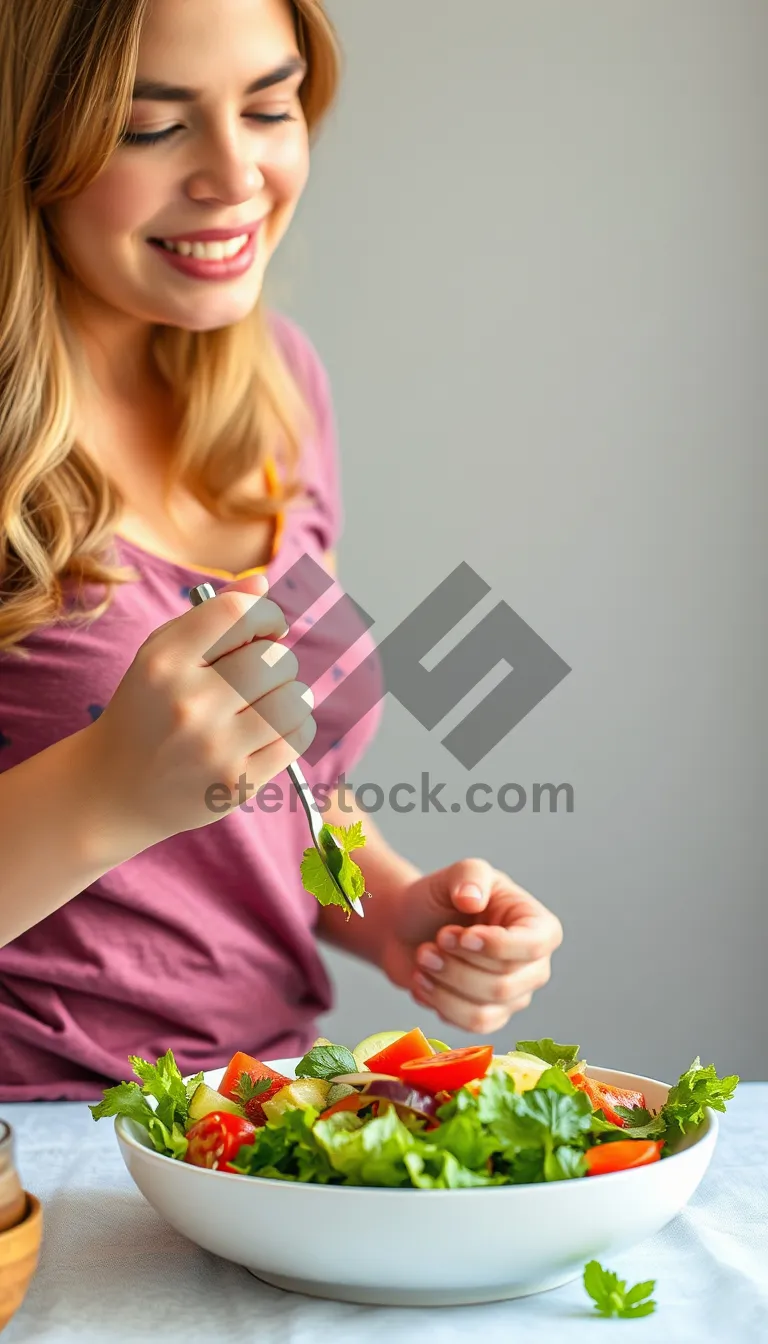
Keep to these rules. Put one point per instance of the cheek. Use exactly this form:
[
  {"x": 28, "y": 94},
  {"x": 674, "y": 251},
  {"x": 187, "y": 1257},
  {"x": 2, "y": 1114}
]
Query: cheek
[
  {"x": 288, "y": 169},
  {"x": 116, "y": 204}
]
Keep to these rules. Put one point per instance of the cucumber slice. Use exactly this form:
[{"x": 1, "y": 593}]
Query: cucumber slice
[
  {"x": 373, "y": 1044},
  {"x": 301, "y": 1095},
  {"x": 438, "y": 1046},
  {"x": 204, "y": 1100},
  {"x": 337, "y": 1092},
  {"x": 524, "y": 1068}
]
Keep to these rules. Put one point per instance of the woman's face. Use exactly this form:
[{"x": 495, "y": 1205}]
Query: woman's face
[{"x": 217, "y": 141}]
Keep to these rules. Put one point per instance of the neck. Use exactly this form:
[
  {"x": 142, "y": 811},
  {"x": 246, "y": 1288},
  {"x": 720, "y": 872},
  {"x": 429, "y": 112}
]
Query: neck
[{"x": 117, "y": 348}]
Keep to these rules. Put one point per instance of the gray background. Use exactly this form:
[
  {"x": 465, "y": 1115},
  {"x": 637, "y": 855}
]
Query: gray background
[{"x": 533, "y": 255}]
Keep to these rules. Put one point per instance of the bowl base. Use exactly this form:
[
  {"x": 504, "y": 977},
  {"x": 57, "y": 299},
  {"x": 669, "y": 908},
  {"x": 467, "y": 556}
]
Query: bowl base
[{"x": 412, "y": 1297}]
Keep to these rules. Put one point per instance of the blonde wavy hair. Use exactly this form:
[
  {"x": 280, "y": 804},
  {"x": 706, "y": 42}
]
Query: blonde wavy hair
[{"x": 66, "y": 75}]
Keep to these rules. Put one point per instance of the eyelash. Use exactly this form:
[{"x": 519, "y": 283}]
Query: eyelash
[{"x": 154, "y": 137}]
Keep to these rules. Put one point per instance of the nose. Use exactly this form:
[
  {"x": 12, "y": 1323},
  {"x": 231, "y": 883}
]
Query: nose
[{"x": 228, "y": 178}]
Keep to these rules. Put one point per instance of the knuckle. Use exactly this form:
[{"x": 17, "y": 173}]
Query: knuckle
[
  {"x": 524, "y": 1001},
  {"x": 504, "y": 988},
  {"x": 187, "y": 718},
  {"x": 158, "y": 666},
  {"x": 301, "y": 738},
  {"x": 281, "y": 662},
  {"x": 235, "y": 604},
  {"x": 481, "y": 1019},
  {"x": 288, "y": 663}
]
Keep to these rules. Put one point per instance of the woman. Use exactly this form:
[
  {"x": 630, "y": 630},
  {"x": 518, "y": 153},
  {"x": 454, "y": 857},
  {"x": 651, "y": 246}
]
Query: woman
[{"x": 158, "y": 430}]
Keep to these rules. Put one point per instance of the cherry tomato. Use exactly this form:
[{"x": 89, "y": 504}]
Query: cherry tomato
[
  {"x": 450, "y": 1070},
  {"x": 217, "y": 1138},
  {"x": 622, "y": 1155}
]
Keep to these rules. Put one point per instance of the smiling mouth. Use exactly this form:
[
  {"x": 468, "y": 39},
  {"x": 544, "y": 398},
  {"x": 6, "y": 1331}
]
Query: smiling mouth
[{"x": 222, "y": 250}]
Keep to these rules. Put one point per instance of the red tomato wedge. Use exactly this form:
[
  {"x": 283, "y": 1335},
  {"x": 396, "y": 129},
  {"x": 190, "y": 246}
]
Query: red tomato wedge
[
  {"x": 217, "y": 1138},
  {"x": 604, "y": 1097},
  {"x": 414, "y": 1045},
  {"x": 622, "y": 1155},
  {"x": 253, "y": 1069},
  {"x": 449, "y": 1071}
]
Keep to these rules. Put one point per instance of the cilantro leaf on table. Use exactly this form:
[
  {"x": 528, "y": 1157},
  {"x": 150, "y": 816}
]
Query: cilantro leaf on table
[
  {"x": 314, "y": 875},
  {"x": 611, "y": 1296},
  {"x": 560, "y": 1056},
  {"x": 166, "y": 1122},
  {"x": 326, "y": 1061}
]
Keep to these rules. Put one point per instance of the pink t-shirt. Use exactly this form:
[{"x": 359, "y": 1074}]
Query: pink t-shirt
[{"x": 204, "y": 943}]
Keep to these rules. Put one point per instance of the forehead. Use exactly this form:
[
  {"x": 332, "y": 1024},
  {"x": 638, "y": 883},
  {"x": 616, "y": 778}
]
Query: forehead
[{"x": 192, "y": 38}]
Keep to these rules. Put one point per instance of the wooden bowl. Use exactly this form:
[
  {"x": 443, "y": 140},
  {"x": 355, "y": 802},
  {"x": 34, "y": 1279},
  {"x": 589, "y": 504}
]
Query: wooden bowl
[{"x": 19, "y": 1254}]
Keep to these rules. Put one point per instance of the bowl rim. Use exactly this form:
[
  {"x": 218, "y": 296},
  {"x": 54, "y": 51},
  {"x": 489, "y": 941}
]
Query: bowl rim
[{"x": 707, "y": 1130}]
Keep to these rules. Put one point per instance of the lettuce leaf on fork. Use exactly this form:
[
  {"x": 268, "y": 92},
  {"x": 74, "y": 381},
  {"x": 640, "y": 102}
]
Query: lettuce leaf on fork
[{"x": 314, "y": 875}]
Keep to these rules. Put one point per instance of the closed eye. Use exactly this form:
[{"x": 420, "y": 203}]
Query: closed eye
[{"x": 154, "y": 137}]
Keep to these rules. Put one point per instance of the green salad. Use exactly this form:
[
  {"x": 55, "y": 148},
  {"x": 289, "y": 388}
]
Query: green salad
[{"x": 400, "y": 1110}]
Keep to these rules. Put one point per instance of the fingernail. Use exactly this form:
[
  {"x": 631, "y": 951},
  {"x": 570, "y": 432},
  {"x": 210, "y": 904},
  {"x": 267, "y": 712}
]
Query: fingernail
[
  {"x": 430, "y": 960},
  {"x": 471, "y": 892},
  {"x": 472, "y": 943},
  {"x": 421, "y": 982},
  {"x": 448, "y": 941}
]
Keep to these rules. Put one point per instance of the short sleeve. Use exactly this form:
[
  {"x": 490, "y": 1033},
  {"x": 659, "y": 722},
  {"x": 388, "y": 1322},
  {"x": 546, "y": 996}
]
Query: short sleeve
[{"x": 320, "y": 463}]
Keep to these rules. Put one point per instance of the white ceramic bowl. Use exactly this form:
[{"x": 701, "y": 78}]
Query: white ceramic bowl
[{"x": 419, "y": 1247}]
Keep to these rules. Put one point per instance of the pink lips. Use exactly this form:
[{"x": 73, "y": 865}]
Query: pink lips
[{"x": 200, "y": 268}]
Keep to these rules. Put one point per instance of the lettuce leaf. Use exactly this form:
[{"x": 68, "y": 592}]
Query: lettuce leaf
[
  {"x": 166, "y": 1122},
  {"x": 560, "y": 1056},
  {"x": 314, "y": 875},
  {"x": 696, "y": 1090}
]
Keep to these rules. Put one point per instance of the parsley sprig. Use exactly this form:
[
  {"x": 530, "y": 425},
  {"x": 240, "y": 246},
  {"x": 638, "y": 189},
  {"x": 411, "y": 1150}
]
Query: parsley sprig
[{"x": 611, "y": 1295}]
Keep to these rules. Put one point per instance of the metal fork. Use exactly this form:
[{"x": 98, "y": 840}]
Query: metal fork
[{"x": 202, "y": 593}]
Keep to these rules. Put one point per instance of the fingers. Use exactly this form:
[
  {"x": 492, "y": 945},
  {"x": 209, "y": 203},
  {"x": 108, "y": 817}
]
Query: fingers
[
  {"x": 492, "y": 983},
  {"x": 285, "y": 750},
  {"x": 478, "y": 1018},
  {"x": 491, "y": 945},
  {"x": 255, "y": 670},
  {"x": 282, "y": 714},
  {"x": 226, "y": 622}
]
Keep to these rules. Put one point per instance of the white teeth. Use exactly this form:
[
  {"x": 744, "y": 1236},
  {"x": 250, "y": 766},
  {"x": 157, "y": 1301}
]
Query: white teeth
[{"x": 209, "y": 251}]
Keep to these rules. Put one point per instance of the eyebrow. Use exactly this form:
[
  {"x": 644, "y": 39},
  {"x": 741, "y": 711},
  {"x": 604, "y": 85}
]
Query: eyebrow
[{"x": 151, "y": 90}]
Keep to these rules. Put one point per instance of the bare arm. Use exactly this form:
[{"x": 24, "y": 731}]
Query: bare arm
[{"x": 54, "y": 839}]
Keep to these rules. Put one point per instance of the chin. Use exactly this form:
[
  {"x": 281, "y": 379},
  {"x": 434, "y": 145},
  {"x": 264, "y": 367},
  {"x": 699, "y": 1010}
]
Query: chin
[{"x": 214, "y": 313}]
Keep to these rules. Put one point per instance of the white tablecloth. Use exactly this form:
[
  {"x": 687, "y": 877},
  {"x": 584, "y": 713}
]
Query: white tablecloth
[{"x": 112, "y": 1272}]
